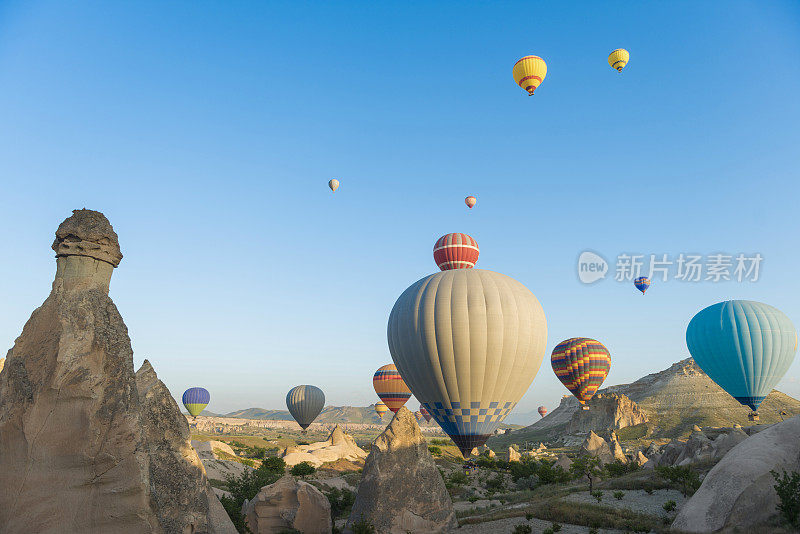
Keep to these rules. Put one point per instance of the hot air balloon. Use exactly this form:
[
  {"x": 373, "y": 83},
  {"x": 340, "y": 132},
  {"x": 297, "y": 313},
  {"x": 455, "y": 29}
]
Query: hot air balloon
[
  {"x": 304, "y": 403},
  {"x": 455, "y": 251},
  {"x": 582, "y": 364},
  {"x": 380, "y": 409},
  {"x": 642, "y": 283},
  {"x": 333, "y": 184},
  {"x": 468, "y": 343},
  {"x": 529, "y": 72},
  {"x": 390, "y": 387},
  {"x": 425, "y": 413},
  {"x": 542, "y": 411},
  {"x": 619, "y": 58},
  {"x": 470, "y": 201},
  {"x": 744, "y": 346},
  {"x": 196, "y": 400}
]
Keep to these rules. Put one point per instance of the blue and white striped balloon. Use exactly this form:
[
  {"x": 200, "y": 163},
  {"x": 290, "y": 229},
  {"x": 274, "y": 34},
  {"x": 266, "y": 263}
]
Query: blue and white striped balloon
[{"x": 744, "y": 346}]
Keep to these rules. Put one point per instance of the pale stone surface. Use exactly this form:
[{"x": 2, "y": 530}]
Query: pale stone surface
[
  {"x": 607, "y": 412},
  {"x": 616, "y": 450},
  {"x": 513, "y": 455},
  {"x": 338, "y": 446},
  {"x": 563, "y": 461},
  {"x": 87, "y": 446},
  {"x": 288, "y": 504},
  {"x": 401, "y": 489},
  {"x": 640, "y": 458},
  {"x": 738, "y": 492},
  {"x": 207, "y": 449},
  {"x": 594, "y": 445}
]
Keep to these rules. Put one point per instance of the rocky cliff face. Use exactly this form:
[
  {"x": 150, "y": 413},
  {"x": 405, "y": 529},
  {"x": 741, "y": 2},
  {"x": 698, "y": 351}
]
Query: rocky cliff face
[
  {"x": 401, "y": 489},
  {"x": 85, "y": 446},
  {"x": 607, "y": 412}
]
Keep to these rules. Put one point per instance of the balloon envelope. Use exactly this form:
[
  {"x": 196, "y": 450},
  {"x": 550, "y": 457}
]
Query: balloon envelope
[
  {"x": 195, "y": 400},
  {"x": 390, "y": 387},
  {"x": 333, "y": 184},
  {"x": 381, "y": 408},
  {"x": 582, "y": 364},
  {"x": 304, "y": 403},
  {"x": 542, "y": 411},
  {"x": 425, "y": 413},
  {"x": 455, "y": 251},
  {"x": 642, "y": 283},
  {"x": 619, "y": 58},
  {"x": 470, "y": 201},
  {"x": 529, "y": 72},
  {"x": 744, "y": 346},
  {"x": 468, "y": 342}
]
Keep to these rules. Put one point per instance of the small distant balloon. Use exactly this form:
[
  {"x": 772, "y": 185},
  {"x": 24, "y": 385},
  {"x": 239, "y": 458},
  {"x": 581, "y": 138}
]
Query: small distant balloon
[
  {"x": 334, "y": 185},
  {"x": 470, "y": 201},
  {"x": 642, "y": 283},
  {"x": 618, "y": 59},
  {"x": 542, "y": 411},
  {"x": 425, "y": 413},
  {"x": 455, "y": 251},
  {"x": 390, "y": 387},
  {"x": 381, "y": 408},
  {"x": 529, "y": 72},
  {"x": 195, "y": 400}
]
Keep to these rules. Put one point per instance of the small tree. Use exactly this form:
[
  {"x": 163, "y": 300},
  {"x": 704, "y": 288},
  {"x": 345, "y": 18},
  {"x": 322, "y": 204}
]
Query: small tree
[
  {"x": 586, "y": 466},
  {"x": 669, "y": 506},
  {"x": 522, "y": 529},
  {"x": 598, "y": 495},
  {"x": 787, "y": 486},
  {"x": 682, "y": 475},
  {"x": 619, "y": 495},
  {"x": 303, "y": 469}
]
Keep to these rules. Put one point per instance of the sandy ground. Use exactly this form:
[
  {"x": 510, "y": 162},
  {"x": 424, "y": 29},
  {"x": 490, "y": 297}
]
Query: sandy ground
[
  {"x": 636, "y": 500},
  {"x": 502, "y": 526}
]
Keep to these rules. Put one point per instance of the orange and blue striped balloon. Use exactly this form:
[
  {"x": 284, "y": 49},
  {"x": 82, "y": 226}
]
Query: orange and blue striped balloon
[
  {"x": 642, "y": 283},
  {"x": 196, "y": 400},
  {"x": 582, "y": 364},
  {"x": 390, "y": 387}
]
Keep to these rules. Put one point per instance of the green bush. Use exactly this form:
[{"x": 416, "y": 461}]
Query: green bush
[
  {"x": 617, "y": 468},
  {"x": 303, "y": 469},
  {"x": 593, "y": 531},
  {"x": 555, "y": 527},
  {"x": 458, "y": 478},
  {"x": 648, "y": 490},
  {"x": 496, "y": 483},
  {"x": 433, "y": 449},
  {"x": 787, "y": 486},
  {"x": 522, "y": 529},
  {"x": 247, "y": 485},
  {"x": 303, "y": 443},
  {"x": 341, "y": 502},
  {"x": 619, "y": 495},
  {"x": 528, "y": 516},
  {"x": 669, "y": 506},
  {"x": 586, "y": 466},
  {"x": 598, "y": 495},
  {"x": 362, "y": 526},
  {"x": 682, "y": 476},
  {"x": 487, "y": 463}
]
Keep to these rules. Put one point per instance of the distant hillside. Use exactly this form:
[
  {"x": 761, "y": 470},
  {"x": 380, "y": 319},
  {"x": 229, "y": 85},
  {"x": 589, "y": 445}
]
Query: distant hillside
[
  {"x": 674, "y": 400},
  {"x": 329, "y": 414}
]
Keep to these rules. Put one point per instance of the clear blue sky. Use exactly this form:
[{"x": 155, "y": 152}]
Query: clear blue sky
[{"x": 207, "y": 131}]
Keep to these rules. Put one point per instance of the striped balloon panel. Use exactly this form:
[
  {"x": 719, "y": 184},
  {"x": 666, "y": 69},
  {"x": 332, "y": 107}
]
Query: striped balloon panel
[
  {"x": 455, "y": 251},
  {"x": 529, "y": 72},
  {"x": 381, "y": 408},
  {"x": 744, "y": 346},
  {"x": 471, "y": 426},
  {"x": 390, "y": 387},
  {"x": 195, "y": 400},
  {"x": 582, "y": 364},
  {"x": 305, "y": 403},
  {"x": 425, "y": 413}
]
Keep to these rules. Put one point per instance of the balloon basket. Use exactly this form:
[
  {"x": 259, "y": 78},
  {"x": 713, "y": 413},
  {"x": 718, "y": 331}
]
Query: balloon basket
[
  {"x": 753, "y": 416},
  {"x": 584, "y": 408}
]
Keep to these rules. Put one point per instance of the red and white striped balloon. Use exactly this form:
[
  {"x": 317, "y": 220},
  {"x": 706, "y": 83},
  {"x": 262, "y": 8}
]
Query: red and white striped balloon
[{"x": 455, "y": 251}]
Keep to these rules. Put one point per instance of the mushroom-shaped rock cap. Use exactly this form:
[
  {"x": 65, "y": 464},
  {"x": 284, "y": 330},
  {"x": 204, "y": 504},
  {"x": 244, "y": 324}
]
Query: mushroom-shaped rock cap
[{"x": 88, "y": 233}]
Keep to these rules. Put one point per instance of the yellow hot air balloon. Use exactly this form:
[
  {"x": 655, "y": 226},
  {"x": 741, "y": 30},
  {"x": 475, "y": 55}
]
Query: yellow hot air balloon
[
  {"x": 529, "y": 72},
  {"x": 619, "y": 58},
  {"x": 333, "y": 184}
]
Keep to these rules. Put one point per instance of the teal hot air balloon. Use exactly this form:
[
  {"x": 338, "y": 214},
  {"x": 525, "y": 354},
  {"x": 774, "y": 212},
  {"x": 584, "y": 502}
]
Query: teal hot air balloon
[
  {"x": 744, "y": 346},
  {"x": 304, "y": 403},
  {"x": 195, "y": 400}
]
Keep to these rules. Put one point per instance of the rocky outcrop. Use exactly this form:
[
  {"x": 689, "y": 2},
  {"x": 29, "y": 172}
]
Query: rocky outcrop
[
  {"x": 2, "y": 363},
  {"x": 207, "y": 450},
  {"x": 738, "y": 492},
  {"x": 513, "y": 455},
  {"x": 607, "y": 412},
  {"x": 708, "y": 445},
  {"x": 616, "y": 450},
  {"x": 288, "y": 504},
  {"x": 594, "y": 445},
  {"x": 338, "y": 446},
  {"x": 86, "y": 445},
  {"x": 563, "y": 461},
  {"x": 401, "y": 489}
]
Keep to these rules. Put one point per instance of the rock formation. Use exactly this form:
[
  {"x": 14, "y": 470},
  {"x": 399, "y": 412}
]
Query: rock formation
[
  {"x": 738, "y": 492},
  {"x": 86, "y": 445},
  {"x": 563, "y": 461},
  {"x": 338, "y": 446},
  {"x": 401, "y": 489},
  {"x": 704, "y": 446},
  {"x": 513, "y": 455},
  {"x": 288, "y": 504},
  {"x": 594, "y": 445},
  {"x": 2, "y": 363},
  {"x": 607, "y": 412}
]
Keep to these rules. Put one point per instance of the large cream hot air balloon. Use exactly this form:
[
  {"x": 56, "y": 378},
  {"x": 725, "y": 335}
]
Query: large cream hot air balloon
[
  {"x": 468, "y": 343},
  {"x": 618, "y": 59},
  {"x": 529, "y": 72}
]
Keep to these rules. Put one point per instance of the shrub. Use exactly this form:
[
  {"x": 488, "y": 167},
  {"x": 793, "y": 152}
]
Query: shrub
[
  {"x": 684, "y": 477},
  {"x": 458, "y": 478},
  {"x": 303, "y": 443},
  {"x": 528, "y": 516},
  {"x": 496, "y": 483},
  {"x": 341, "y": 502},
  {"x": 586, "y": 466},
  {"x": 787, "y": 486},
  {"x": 485, "y": 462},
  {"x": 247, "y": 485},
  {"x": 617, "y": 468},
  {"x": 547, "y": 531},
  {"x": 433, "y": 449},
  {"x": 555, "y": 527},
  {"x": 669, "y": 506},
  {"x": 598, "y": 495},
  {"x": 648, "y": 490},
  {"x": 273, "y": 463},
  {"x": 362, "y": 526},
  {"x": 303, "y": 469},
  {"x": 619, "y": 495},
  {"x": 593, "y": 531},
  {"x": 522, "y": 529}
]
